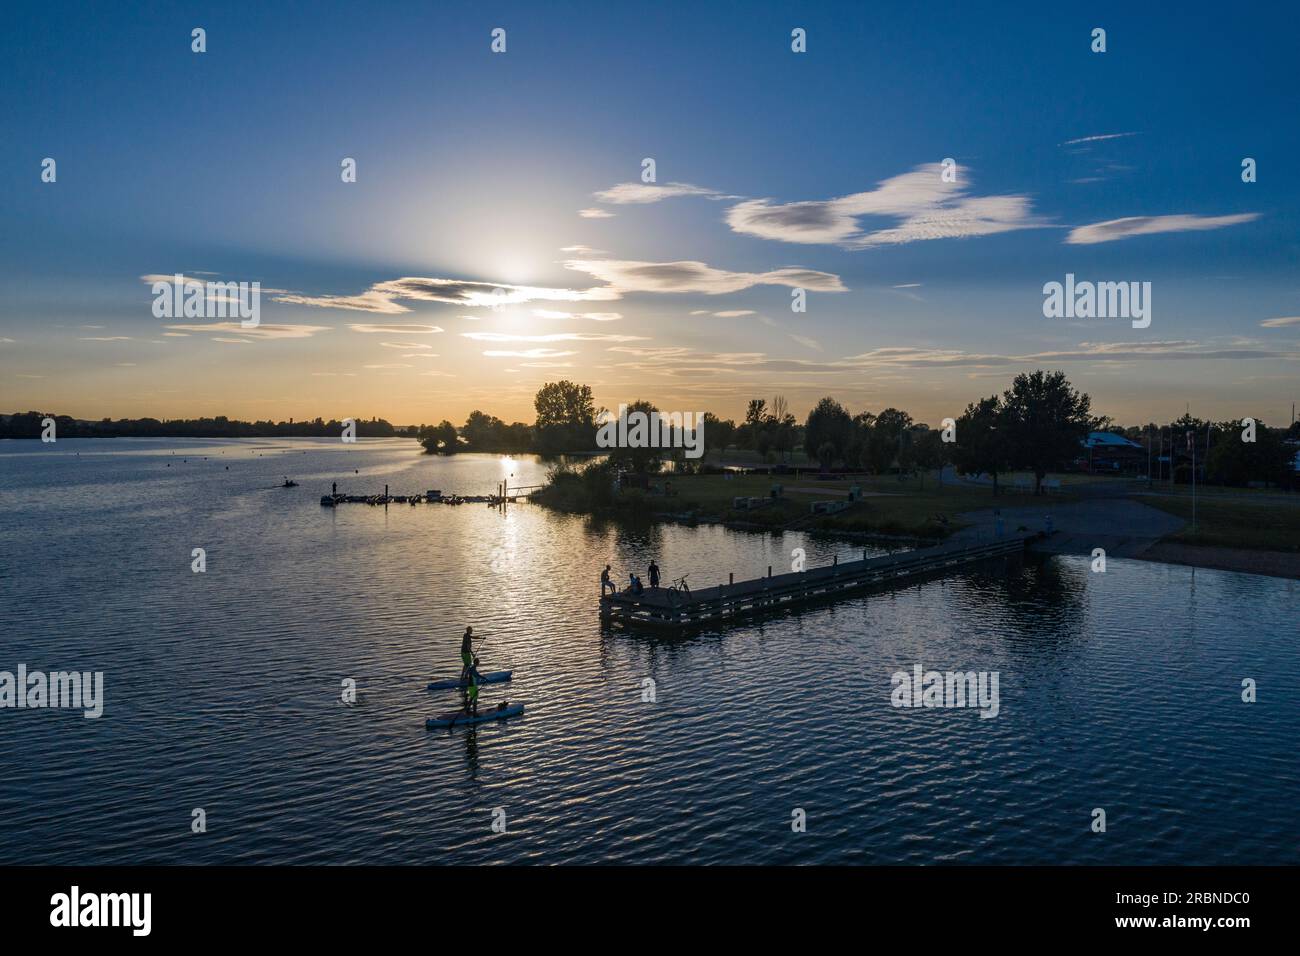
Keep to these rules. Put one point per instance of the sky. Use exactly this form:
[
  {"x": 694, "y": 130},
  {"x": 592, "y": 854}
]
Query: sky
[{"x": 501, "y": 232}]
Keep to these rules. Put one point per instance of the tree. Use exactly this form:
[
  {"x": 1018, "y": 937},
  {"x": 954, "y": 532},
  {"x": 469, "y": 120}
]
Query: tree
[
  {"x": 1045, "y": 419},
  {"x": 928, "y": 450},
  {"x": 484, "y": 432},
  {"x": 1232, "y": 461},
  {"x": 886, "y": 442},
  {"x": 828, "y": 424},
  {"x": 645, "y": 458},
  {"x": 982, "y": 446},
  {"x": 717, "y": 433},
  {"x": 441, "y": 439},
  {"x": 566, "y": 417}
]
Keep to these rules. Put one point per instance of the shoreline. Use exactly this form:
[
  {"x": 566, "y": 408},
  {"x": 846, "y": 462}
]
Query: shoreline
[
  {"x": 1273, "y": 564},
  {"x": 1277, "y": 564}
]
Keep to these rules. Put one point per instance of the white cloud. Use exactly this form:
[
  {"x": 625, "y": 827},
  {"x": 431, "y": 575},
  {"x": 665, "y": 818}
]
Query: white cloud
[
  {"x": 1113, "y": 229},
  {"x": 924, "y": 205},
  {"x": 619, "y": 277},
  {"x": 625, "y": 193},
  {"x": 595, "y": 214},
  {"x": 528, "y": 353},
  {"x": 371, "y": 301},
  {"x": 689, "y": 276},
  {"x": 1281, "y": 322},
  {"x": 593, "y": 316},
  {"x": 398, "y": 330},
  {"x": 262, "y": 331},
  {"x": 1096, "y": 139}
]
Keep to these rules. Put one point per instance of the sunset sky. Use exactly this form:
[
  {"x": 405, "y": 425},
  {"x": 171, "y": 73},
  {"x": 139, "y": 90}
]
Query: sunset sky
[{"x": 521, "y": 171}]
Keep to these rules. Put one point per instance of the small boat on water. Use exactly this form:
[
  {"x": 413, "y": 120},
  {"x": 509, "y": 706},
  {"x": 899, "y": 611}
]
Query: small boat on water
[{"x": 289, "y": 484}]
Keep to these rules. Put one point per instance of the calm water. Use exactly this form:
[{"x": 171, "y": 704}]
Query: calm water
[{"x": 1118, "y": 691}]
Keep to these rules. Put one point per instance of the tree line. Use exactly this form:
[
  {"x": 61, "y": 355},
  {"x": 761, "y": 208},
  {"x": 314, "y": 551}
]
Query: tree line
[
  {"x": 1039, "y": 425},
  {"x": 31, "y": 425}
]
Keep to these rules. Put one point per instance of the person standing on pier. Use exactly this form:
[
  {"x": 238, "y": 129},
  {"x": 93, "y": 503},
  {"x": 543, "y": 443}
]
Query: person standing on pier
[
  {"x": 654, "y": 574},
  {"x": 605, "y": 582}
]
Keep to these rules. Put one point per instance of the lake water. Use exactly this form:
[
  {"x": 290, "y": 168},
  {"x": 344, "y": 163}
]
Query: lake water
[{"x": 1119, "y": 691}]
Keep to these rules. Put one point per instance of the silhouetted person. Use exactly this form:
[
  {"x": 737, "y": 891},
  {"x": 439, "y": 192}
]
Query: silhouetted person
[
  {"x": 466, "y": 653},
  {"x": 654, "y": 574},
  {"x": 605, "y": 582}
]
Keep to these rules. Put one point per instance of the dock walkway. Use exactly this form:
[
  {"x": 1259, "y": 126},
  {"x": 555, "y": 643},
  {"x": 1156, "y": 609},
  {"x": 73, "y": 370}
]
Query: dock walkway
[{"x": 668, "y": 608}]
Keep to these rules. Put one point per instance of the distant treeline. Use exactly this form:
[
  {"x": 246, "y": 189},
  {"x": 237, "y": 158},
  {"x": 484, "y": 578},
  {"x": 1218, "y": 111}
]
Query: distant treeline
[
  {"x": 30, "y": 425},
  {"x": 1040, "y": 424}
]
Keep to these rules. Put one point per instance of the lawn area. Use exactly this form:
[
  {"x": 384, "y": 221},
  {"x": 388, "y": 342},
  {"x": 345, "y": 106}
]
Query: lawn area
[
  {"x": 1238, "y": 523},
  {"x": 897, "y": 508}
]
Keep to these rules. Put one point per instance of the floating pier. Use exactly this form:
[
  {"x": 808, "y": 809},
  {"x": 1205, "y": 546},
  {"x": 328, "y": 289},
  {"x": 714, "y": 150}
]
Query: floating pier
[
  {"x": 434, "y": 496},
  {"x": 668, "y": 608}
]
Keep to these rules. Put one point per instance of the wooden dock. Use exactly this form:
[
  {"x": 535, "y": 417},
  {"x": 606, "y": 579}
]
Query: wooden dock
[
  {"x": 667, "y": 608},
  {"x": 504, "y": 495}
]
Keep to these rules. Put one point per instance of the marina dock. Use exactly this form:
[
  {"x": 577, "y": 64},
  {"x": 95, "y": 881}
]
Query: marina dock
[
  {"x": 669, "y": 608},
  {"x": 503, "y": 496}
]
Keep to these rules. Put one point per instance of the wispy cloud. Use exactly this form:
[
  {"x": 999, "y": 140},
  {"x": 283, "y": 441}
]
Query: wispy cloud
[
  {"x": 924, "y": 206},
  {"x": 626, "y": 193},
  {"x": 628, "y": 276},
  {"x": 527, "y": 353},
  {"x": 595, "y": 214},
  {"x": 383, "y": 296},
  {"x": 1096, "y": 139},
  {"x": 263, "y": 331},
  {"x": 590, "y": 316},
  {"x": 1113, "y": 229},
  {"x": 1281, "y": 322},
  {"x": 552, "y": 337},
  {"x": 399, "y": 329}
]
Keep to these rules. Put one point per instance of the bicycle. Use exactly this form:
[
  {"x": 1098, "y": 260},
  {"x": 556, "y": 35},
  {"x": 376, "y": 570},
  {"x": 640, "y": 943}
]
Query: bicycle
[{"x": 678, "y": 587}]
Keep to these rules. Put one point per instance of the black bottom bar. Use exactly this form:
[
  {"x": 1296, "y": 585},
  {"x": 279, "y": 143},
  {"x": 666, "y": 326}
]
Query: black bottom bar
[{"x": 941, "y": 906}]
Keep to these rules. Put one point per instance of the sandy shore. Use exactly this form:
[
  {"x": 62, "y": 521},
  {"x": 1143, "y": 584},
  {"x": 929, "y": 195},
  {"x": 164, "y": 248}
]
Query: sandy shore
[{"x": 1273, "y": 563}]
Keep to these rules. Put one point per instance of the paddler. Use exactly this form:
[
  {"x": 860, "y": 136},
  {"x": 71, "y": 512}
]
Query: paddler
[
  {"x": 466, "y": 653},
  {"x": 473, "y": 678}
]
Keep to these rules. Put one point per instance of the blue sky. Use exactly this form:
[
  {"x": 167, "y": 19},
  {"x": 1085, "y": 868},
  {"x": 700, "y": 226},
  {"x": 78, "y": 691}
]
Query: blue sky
[{"x": 473, "y": 167}]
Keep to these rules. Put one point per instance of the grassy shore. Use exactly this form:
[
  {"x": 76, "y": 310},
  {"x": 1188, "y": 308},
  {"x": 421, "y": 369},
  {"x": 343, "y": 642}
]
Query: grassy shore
[
  {"x": 909, "y": 508},
  {"x": 1237, "y": 522}
]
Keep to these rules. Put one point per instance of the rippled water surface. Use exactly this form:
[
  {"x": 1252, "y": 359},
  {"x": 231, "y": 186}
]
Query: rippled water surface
[{"x": 222, "y": 690}]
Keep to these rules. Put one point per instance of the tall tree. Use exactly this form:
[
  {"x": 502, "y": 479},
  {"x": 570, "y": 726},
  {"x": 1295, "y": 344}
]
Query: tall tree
[
  {"x": 440, "y": 439},
  {"x": 566, "y": 417},
  {"x": 828, "y": 424},
  {"x": 982, "y": 445},
  {"x": 718, "y": 433},
  {"x": 1045, "y": 419}
]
